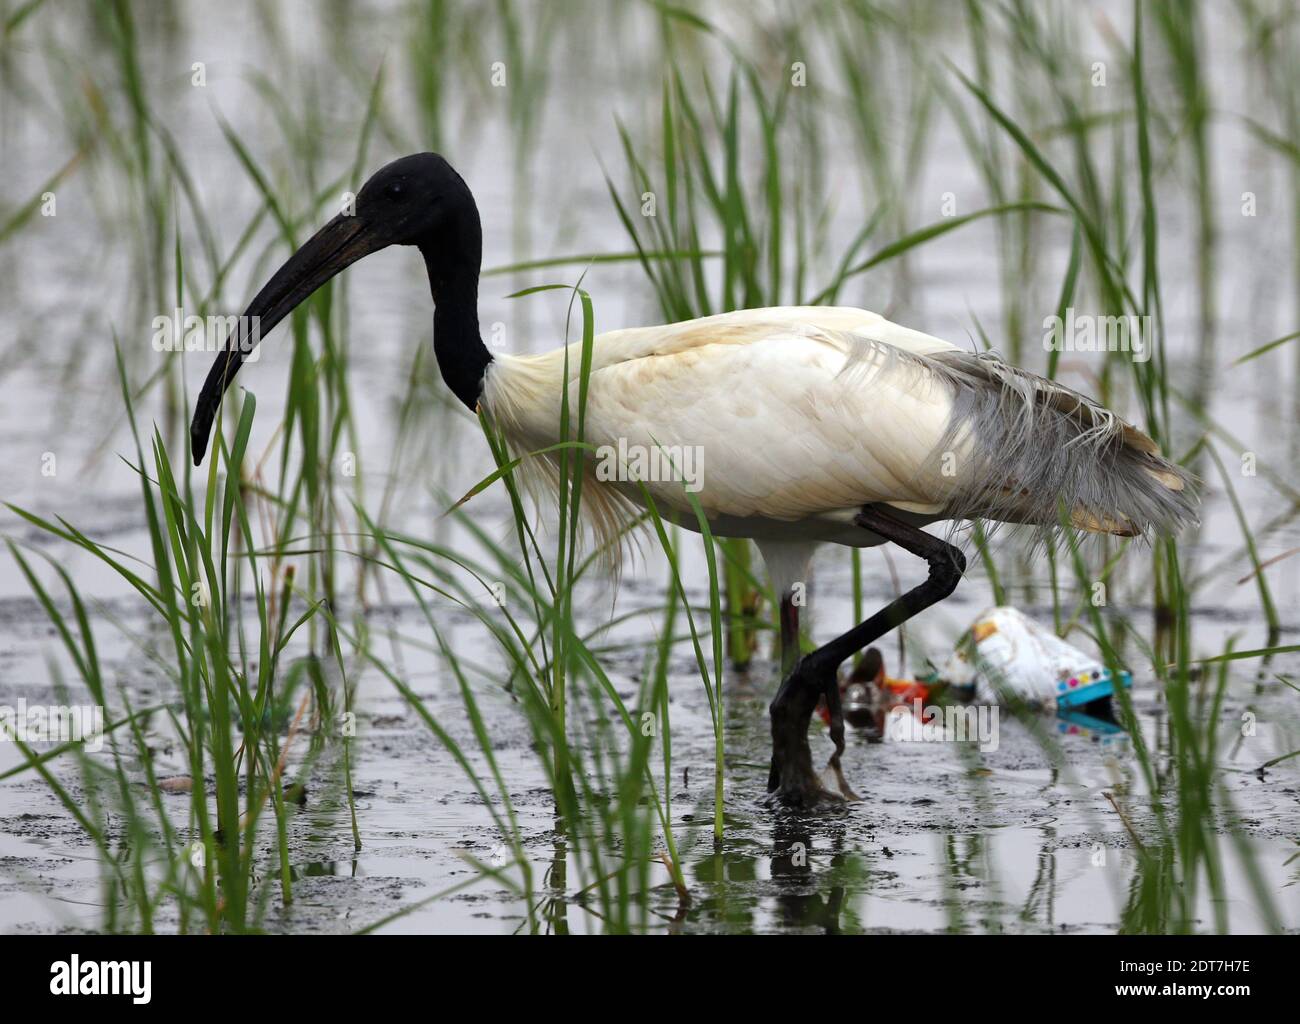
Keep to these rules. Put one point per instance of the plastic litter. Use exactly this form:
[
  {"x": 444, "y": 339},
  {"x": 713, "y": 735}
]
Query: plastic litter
[
  {"x": 1004, "y": 657},
  {"x": 1101, "y": 730},
  {"x": 867, "y": 694},
  {"x": 1007, "y": 656}
]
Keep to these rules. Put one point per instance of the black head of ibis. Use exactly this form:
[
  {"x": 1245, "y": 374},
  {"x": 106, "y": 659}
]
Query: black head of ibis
[{"x": 418, "y": 200}]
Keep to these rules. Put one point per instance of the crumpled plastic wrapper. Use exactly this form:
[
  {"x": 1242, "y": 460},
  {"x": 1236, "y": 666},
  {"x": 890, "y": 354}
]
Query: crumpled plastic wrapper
[{"x": 1006, "y": 656}]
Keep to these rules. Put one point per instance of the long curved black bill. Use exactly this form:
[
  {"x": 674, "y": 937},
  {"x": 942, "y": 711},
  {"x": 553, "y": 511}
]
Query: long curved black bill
[{"x": 337, "y": 245}]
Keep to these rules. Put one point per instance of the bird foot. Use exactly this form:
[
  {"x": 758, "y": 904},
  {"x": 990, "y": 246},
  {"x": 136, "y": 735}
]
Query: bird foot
[
  {"x": 841, "y": 783},
  {"x": 792, "y": 783},
  {"x": 804, "y": 795}
]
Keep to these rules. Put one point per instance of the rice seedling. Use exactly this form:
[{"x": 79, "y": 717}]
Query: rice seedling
[{"x": 223, "y": 718}]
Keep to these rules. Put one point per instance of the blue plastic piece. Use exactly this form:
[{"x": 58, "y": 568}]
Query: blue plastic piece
[{"x": 1085, "y": 687}]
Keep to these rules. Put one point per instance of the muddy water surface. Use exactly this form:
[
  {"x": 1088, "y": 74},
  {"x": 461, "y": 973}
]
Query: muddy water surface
[{"x": 1022, "y": 838}]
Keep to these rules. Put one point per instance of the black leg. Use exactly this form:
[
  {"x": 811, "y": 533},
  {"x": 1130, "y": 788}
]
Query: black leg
[
  {"x": 789, "y": 633},
  {"x": 789, "y": 658},
  {"x": 792, "y": 780}
]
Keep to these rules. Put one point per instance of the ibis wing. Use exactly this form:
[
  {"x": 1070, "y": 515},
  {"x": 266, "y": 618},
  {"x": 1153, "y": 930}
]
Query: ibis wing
[
  {"x": 766, "y": 423},
  {"x": 801, "y": 413}
]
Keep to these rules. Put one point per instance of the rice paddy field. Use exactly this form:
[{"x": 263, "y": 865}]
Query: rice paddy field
[{"x": 352, "y": 680}]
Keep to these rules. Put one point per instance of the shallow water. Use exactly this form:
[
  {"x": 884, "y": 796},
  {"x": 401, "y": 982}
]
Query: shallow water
[
  {"x": 1011, "y": 840},
  {"x": 945, "y": 837}
]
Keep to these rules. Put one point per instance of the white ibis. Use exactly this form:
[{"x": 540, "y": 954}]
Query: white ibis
[{"x": 815, "y": 425}]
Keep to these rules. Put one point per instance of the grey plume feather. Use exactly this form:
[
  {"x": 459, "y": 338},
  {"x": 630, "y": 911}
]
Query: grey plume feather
[{"x": 1030, "y": 447}]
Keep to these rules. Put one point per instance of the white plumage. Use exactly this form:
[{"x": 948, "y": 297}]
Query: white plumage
[{"x": 805, "y": 414}]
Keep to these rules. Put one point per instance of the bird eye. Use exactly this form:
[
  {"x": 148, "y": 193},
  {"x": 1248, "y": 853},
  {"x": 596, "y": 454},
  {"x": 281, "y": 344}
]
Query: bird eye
[{"x": 393, "y": 190}]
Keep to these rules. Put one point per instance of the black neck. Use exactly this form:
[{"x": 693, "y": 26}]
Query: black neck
[{"x": 453, "y": 266}]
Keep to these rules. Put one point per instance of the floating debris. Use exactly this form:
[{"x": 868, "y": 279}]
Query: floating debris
[{"x": 1007, "y": 657}]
